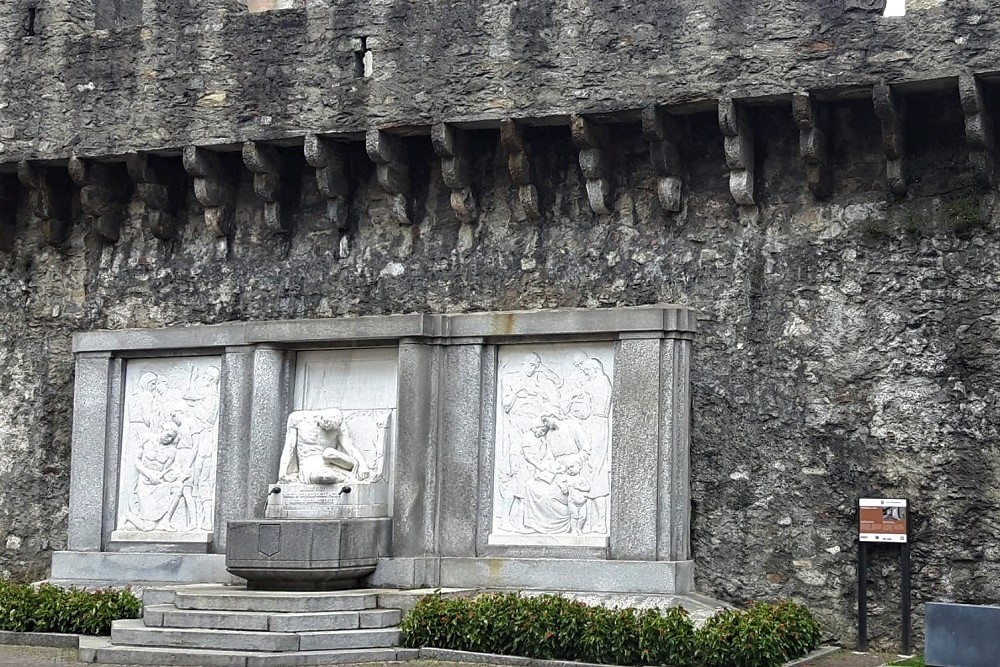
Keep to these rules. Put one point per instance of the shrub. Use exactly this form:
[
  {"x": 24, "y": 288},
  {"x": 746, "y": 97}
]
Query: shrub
[
  {"x": 761, "y": 636},
  {"x": 550, "y": 627},
  {"x": 47, "y": 608}
]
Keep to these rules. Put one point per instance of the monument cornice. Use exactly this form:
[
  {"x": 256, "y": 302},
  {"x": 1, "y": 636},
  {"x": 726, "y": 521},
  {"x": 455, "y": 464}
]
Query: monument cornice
[{"x": 655, "y": 321}]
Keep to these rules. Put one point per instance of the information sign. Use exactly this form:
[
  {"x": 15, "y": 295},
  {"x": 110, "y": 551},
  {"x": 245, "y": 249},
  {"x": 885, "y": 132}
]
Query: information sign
[{"x": 883, "y": 520}]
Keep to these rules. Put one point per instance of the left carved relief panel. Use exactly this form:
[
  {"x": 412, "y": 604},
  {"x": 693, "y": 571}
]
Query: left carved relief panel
[{"x": 169, "y": 448}]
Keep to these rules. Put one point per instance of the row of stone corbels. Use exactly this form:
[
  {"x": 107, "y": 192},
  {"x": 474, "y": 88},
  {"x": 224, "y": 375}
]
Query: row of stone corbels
[{"x": 106, "y": 187}]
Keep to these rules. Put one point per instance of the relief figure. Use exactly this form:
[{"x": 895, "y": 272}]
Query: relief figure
[
  {"x": 157, "y": 483},
  {"x": 318, "y": 450},
  {"x": 527, "y": 393}
]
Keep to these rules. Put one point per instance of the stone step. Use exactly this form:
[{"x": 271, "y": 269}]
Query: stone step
[
  {"x": 169, "y": 616},
  {"x": 101, "y": 650},
  {"x": 231, "y": 598},
  {"x": 348, "y": 639},
  {"x": 136, "y": 633}
]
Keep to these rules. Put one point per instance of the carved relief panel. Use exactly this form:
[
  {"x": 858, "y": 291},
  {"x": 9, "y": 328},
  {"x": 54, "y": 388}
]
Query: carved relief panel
[
  {"x": 552, "y": 465},
  {"x": 169, "y": 447},
  {"x": 361, "y": 384}
]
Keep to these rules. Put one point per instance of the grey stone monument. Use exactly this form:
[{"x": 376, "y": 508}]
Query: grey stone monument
[{"x": 541, "y": 449}]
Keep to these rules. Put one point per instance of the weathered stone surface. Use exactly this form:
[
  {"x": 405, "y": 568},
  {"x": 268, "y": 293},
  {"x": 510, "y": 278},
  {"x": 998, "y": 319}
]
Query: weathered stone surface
[
  {"x": 848, "y": 346},
  {"x": 272, "y": 73}
]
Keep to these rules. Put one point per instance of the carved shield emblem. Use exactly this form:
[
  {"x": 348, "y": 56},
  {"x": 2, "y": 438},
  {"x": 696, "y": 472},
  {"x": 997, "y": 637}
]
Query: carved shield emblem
[{"x": 269, "y": 539}]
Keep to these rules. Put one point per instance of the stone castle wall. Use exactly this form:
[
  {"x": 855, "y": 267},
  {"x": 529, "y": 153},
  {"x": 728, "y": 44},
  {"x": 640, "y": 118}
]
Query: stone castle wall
[{"x": 848, "y": 344}]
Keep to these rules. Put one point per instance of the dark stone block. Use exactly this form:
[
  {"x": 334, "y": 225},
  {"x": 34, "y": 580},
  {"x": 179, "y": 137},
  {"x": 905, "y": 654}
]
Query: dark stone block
[{"x": 961, "y": 635}]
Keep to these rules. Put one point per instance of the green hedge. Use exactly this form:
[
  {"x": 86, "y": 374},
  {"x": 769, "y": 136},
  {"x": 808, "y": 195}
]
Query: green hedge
[
  {"x": 47, "y": 608},
  {"x": 550, "y": 627}
]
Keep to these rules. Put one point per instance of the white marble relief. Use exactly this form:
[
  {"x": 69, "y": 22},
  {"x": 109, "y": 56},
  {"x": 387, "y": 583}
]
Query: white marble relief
[
  {"x": 334, "y": 446},
  {"x": 169, "y": 447},
  {"x": 553, "y": 444}
]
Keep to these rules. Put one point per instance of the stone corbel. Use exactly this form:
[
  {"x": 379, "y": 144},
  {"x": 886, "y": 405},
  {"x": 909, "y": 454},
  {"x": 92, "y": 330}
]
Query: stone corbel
[
  {"x": 595, "y": 162},
  {"x": 215, "y": 188},
  {"x": 813, "y": 122},
  {"x": 660, "y": 129},
  {"x": 739, "y": 147},
  {"x": 891, "y": 114},
  {"x": 161, "y": 189},
  {"x": 978, "y": 130},
  {"x": 267, "y": 166},
  {"x": 8, "y": 211},
  {"x": 519, "y": 165},
  {"x": 451, "y": 145},
  {"x": 329, "y": 159},
  {"x": 392, "y": 165},
  {"x": 105, "y": 191},
  {"x": 49, "y": 199}
]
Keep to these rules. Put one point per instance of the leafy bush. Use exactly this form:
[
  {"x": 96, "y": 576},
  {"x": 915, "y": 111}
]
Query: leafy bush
[
  {"x": 47, "y": 608},
  {"x": 763, "y": 635},
  {"x": 549, "y": 627}
]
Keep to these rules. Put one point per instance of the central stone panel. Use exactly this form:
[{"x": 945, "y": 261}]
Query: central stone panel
[{"x": 327, "y": 516}]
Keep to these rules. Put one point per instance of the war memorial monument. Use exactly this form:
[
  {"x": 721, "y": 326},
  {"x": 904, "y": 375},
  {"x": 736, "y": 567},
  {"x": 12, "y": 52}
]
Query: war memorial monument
[{"x": 609, "y": 298}]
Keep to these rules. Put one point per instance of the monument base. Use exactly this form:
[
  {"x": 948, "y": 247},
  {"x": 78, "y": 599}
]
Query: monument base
[{"x": 306, "y": 554}]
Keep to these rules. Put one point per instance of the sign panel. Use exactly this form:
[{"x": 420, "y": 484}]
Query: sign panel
[{"x": 883, "y": 520}]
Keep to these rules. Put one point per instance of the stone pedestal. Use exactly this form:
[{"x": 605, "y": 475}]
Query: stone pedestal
[
  {"x": 289, "y": 500},
  {"x": 306, "y": 554}
]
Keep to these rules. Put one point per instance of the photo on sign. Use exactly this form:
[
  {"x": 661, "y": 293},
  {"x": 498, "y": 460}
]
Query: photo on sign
[{"x": 893, "y": 514}]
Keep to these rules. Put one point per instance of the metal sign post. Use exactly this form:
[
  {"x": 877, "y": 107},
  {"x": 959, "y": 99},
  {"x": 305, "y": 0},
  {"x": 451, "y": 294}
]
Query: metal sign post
[{"x": 885, "y": 521}]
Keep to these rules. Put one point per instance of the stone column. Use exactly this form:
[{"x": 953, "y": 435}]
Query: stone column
[
  {"x": 636, "y": 441},
  {"x": 650, "y": 465},
  {"x": 269, "y": 408},
  {"x": 674, "y": 504},
  {"x": 416, "y": 460},
  {"x": 232, "y": 498},
  {"x": 113, "y": 446},
  {"x": 464, "y": 400},
  {"x": 90, "y": 436}
]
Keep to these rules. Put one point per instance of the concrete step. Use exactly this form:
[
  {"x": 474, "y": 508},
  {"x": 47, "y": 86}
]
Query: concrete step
[
  {"x": 348, "y": 639},
  {"x": 136, "y": 633},
  {"x": 101, "y": 650},
  {"x": 231, "y": 598},
  {"x": 169, "y": 616}
]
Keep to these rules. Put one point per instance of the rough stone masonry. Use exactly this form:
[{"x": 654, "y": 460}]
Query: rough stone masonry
[{"x": 817, "y": 180}]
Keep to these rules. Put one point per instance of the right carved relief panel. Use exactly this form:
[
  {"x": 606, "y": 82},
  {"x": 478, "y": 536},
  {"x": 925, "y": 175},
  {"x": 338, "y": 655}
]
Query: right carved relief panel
[{"x": 552, "y": 450}]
